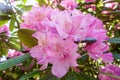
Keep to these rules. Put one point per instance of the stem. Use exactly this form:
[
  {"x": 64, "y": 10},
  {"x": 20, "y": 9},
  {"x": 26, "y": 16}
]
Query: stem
[{"x": 84, "y": 55}]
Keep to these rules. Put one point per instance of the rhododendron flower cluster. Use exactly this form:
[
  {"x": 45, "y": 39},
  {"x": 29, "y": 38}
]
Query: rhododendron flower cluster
[
  {"x": 56, "y": 32},
  {"x": 111, "y": 69}
]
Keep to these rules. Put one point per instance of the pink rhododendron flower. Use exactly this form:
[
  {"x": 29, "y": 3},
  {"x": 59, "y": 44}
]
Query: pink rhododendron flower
[
  {"x": 90, "y": 0},
  {"x": 40, "y": 55},
  {"x": 34, "y": 18},
  {"x": 96, "y": 30},
  {"x": 69, "y": 4},
  {"x": 69, "y": 26},
  {"x": 75, "y": 25},
  {"x": 52, "y": 49},
  {"x": 63, "y": 57},
  {"x": 96, "y": 50},
  {"x": 112, "y": 69},
  {"x": 13, "y": 53},
  {"x": 96, "y": 34},
  {"x": 40, "y": 52}
]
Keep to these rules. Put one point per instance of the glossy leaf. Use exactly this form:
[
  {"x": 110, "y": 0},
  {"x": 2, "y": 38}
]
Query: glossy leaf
[
  {"x": 11, "y": 25},
  {"x": 31, "y": 74},
  {"x": 26, "y": 8},
  {"x": 89, "y": 40},
  {"x": 115, "y": 12},
  {"x": 26, "y": 38},
  {"x": 50, "y": 77},
  {"x": 116, "y": 56},
  {"x": 83, "y": 76},
  {"x": 71, "y": 76},
  {"x": 78, "y": 76},
  {"x": 14, "y": 61},
  {"x": 41, "y": 2},
  {"x": 3, "y": 22},
  {"x": 114, "y": 40}
]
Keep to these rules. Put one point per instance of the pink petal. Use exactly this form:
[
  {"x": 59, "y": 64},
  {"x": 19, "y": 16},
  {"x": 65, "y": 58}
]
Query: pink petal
[
  {"x": 59, "y": 70},
  {"x": 107, "y": 57}
]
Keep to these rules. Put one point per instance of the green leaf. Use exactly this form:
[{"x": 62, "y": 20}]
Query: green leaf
[
  {"x": 78, "y": 76},
  {"x": 4, "y": 17},
  {"x": 3, "y": 51},
  {"x": 83, "y": 76},
  {"x": 60, "y": 7},
  {"x": 12, "y": 45},
  {"x": 11, "y": 25},
  {"x": 26, "y": 8},
  {"x": 97, "y": 1},
  {"x": 49, "y": 77},
  {"x": 116, "y": 56},
  {"x": 15, "y": 42},
  {"x": 24, "y": 1},
  {"x": 31, "y": 74},
  {"x": 14, "y": 61},
  {"x": 88, "y": 40},
  {"x": 26, "y": 38},
  {"x": 115, "y": 12},
  {"x": 42, "y": 2},
  {"x": 79, "y": 1},
  {"x": 71, "y": 76},
  {"x": 117, "y": 0},
  {"x": 3, "y": 22},
  {"x": 114, "y": 40},
  {"x": 83, "y": 58}
]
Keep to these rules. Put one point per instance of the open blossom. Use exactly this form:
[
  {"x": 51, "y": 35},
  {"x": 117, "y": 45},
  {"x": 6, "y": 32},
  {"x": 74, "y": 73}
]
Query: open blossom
[
  {"x": 40, "y": 51},
  {"x": 63, "y": 57},
  {"x": 112, "y": 69},
  {"x": 69, "y": 4},
  {"x": 69, "y": 26},
  {"x": 96, "y": 50},
  {"x": 34, "y": 18},
  {"x": 52, "y": 49},
  {"x": 96, "y": 30}
]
